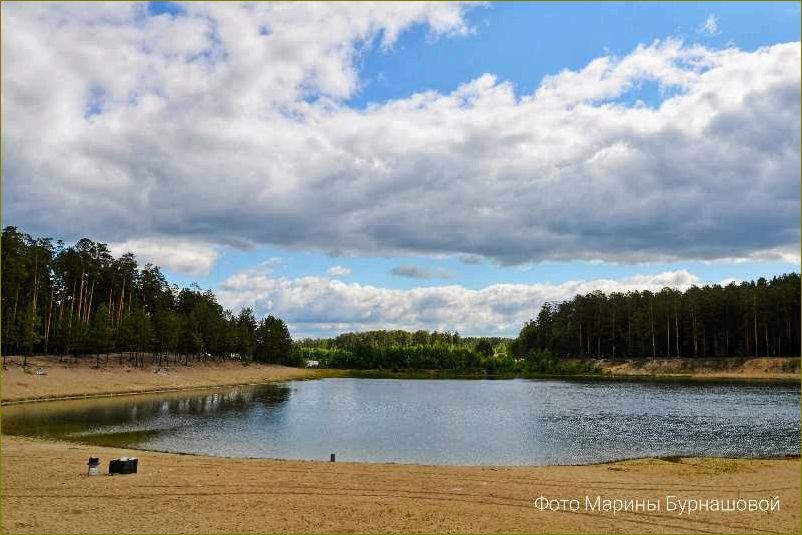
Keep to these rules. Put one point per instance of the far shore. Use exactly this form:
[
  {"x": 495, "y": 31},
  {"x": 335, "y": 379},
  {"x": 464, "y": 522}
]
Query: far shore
[
  {"x": 66, "y": 380},
  {"x": 80, "y": 378},
  {"x": 45, "y": 490}
]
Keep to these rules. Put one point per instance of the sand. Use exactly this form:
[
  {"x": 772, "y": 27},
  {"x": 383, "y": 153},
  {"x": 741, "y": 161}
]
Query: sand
[
  {"x": 753, "y": 368},
  {"x": 45, "y": 490},
  {"x": 83, "y": 379}
]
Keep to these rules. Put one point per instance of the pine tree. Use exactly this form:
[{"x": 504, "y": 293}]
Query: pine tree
[{"x": 273, "y": 341}]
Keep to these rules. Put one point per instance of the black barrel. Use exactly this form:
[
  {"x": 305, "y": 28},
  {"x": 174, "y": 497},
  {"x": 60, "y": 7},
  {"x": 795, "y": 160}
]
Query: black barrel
[{"x": 123, "y": 466}]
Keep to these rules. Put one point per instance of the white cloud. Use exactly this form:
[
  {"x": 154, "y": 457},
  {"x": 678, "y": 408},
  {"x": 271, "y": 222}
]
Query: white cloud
[
  {"x": 339, "y": 271},
  {"x": 319, "y": 306},
  {"x": 181, "y": 256},
  {"x": 417, "y": 272},
  {"x": 227, "y": 124},
  {"x": 710, "y": 26}
]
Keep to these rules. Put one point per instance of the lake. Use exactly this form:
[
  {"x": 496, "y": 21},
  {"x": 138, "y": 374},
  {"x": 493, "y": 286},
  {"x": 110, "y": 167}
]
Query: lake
[{"x": 475, "y": 422}]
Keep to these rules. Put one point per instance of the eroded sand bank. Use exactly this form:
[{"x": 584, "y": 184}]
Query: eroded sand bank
[{"x": 83, "y": 379}]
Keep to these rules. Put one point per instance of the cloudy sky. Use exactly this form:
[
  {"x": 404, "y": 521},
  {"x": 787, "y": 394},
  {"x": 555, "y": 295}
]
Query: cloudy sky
[{"x": 410, "y": 165}]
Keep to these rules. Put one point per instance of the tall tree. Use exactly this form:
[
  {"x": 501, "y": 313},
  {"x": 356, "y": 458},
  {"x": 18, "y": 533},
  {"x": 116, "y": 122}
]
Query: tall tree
[{"x": 273, "y": 341}]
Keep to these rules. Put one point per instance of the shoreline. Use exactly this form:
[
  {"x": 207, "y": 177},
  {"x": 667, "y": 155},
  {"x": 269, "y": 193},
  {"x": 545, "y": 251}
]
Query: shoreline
[
  {"x": 666, "y": 377},
  {"x": 664, "y": 458},
  {"x": 101, "y": 395},
  {"x": 46, "y": 490},
  {"x": 65, "y": 381}
]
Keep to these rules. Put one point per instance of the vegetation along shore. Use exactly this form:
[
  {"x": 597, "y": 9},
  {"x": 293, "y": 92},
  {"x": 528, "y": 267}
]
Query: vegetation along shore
[{"x": 78, "y": 301}]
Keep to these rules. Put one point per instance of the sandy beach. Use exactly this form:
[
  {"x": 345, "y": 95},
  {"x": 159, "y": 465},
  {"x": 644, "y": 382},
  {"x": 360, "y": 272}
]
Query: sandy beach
[
  {"x": 82, "y": 379},
  {"x": 45, "y": 490}
]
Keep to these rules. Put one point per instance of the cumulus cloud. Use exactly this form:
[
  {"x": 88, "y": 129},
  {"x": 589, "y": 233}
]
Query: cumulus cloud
[
  {"x": 181, "y": 256},
  {"x": 228, "y": 124},
  {"x": 416, "y": 272},
  {"x": 339, "y": 271},
  {"x": 319, "y": 306}
]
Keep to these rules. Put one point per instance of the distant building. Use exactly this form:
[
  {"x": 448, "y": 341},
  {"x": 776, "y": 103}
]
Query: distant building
[{"x": 312, "y": 363}]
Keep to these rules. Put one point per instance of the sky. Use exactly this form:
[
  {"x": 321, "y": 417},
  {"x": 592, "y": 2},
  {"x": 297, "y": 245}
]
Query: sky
[{"x": 415, "y": 165}]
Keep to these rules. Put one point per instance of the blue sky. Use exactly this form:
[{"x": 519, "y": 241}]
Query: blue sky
[
  {"x": 350, "y": 166},
  {"x": 522, "y": 43}
]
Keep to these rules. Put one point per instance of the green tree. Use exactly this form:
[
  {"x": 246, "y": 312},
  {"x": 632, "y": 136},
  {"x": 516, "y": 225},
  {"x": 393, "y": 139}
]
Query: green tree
[
  {"x": 168, "y": 328},
  {"x": 100, "y": 335},
  {"x": 485, "y": 347},
  {"x": 245, "y": 328},
  {"x": 273, "y": 342},
  {"x": 28, "y": 331}
]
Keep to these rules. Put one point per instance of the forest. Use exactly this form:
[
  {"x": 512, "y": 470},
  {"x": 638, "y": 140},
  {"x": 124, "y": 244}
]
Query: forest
[
  {"x": 756, "y": 318},
  {"x": 80, "y": 300}
]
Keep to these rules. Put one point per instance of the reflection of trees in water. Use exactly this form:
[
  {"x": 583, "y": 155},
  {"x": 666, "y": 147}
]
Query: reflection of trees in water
[
  {"x": 62, "y": 420},
  {"x": 219, "y": 403}
]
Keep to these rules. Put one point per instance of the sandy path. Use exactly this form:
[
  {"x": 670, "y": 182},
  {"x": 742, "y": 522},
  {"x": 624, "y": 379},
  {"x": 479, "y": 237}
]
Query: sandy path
[
  {"x": 44, "y": 491},
  {"x": 64, "y": 380}
]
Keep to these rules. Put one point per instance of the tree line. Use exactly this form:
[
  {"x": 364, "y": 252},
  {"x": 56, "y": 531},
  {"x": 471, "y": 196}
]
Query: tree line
[
  {"x": 398, "y": 350},
  {"x": 80, "y": 300},
  {"x": 756, "y": 318}
]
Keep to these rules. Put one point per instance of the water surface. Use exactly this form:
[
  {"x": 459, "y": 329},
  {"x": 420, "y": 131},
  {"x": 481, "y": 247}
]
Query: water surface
[{"x": 498, "y": 422}]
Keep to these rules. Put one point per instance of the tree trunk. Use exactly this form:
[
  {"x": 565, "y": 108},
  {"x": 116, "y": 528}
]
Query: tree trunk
[
  {"x": 16, "y": 300},
  {"x": 49, "y": 313},
  {"x": 89, "y": 304},
  {"x": 80, "y": 296},
  {"x": 613, "y": 334},
  {"x": 651, "y": 317},
  {"x": 754, "y": 303},
  {"x": 676, "y": 330},
  {"x": 629, "y": 335}
]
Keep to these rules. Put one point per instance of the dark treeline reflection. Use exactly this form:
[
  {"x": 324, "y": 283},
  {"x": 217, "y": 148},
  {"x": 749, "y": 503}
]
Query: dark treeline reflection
[{"x": 85, "y": 419}]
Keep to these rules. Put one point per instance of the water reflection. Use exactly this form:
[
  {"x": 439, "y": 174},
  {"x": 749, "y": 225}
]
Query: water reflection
[
  {"x": 438, "y": 422},
  {"x": 96, "y": 418}
]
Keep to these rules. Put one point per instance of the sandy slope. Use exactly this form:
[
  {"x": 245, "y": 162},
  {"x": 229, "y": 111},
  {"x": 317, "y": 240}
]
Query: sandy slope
[
  {"x": 44, "y": 490},
  {"x": 762, "y": 368},
  {"x": 81, "y": 379}
]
